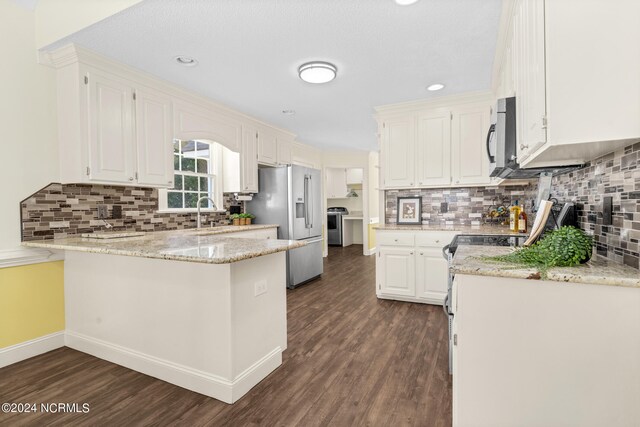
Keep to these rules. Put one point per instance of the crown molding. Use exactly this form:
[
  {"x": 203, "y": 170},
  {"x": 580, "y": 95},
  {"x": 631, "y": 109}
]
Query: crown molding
[{"x": 440, "y": 102}]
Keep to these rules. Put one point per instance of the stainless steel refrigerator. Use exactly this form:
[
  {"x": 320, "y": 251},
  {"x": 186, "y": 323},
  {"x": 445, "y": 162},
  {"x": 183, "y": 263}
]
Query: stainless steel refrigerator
[{"x": 290, "y": 196}]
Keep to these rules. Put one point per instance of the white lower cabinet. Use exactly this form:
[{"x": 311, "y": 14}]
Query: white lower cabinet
[
  {"x": 396, "y": 272},
  {"x": 410, "y": 265}
]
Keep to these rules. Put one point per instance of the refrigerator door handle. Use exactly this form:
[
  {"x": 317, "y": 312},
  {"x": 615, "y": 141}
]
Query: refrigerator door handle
[
  {"x": 310, "y": 210},
  {"x": 306, "y": 201}
]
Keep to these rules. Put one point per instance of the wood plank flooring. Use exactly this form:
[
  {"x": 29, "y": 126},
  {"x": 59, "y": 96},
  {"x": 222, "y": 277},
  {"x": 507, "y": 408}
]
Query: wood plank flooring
[{"x": 351, "y": 360}]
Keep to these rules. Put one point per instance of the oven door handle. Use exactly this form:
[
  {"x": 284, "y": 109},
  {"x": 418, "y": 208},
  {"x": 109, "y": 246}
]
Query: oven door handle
[{"x": 445, "y": 252}]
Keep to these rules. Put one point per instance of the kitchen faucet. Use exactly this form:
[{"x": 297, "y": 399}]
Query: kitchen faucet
[{"x": 213, "y": 204}]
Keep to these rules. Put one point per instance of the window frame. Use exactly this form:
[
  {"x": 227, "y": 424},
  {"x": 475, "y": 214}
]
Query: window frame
[{"x": 215, "y": 172}]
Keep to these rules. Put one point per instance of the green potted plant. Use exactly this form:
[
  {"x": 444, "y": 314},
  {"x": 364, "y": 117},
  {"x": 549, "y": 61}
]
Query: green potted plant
[
  {"x": 235, "y": 218},
  {"x": 248, "y": 218}
]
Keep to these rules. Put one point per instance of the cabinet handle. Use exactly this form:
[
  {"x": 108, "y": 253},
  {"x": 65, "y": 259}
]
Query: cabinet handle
[
  {"x": 437, "y": 241},
  {"x": 411, "y": 253},
  {"x": 395, "y": 240},
  {"x": 169, "y": 182},
  {"x": 421, "y": 253},
  {"x": 411, "y": 183},
  {"x": 523, "y": 147},
  {"x": 130, "y": 178}
]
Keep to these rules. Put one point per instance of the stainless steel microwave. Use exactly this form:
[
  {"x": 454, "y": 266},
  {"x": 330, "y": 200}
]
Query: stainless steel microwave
[{"x": 501, "y": 139}]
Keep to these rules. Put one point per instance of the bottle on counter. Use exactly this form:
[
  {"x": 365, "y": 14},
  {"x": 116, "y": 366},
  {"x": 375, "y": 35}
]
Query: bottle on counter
[
  {"x": 514, "y": 216},
  {"x": 522, "y": 221}
]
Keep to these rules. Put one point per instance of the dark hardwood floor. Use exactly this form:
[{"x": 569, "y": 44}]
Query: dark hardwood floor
[{"x": 352, "y": 360}]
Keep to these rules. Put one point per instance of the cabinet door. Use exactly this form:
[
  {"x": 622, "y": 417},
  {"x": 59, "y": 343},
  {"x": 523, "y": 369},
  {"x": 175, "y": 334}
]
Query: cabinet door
[
  {"x": 470, "y": 164},
  {"x": 267, "y": 148},
  {"x": 249, "y": 161},
  {"x": 110, "y": 119},
  {"x": 433, "y": 149},
  {"x": 529, "y": 80},
  {"x": 336, "y": 183},
  {"x": 154, "y": 139},
  {"x": 432, "y": 274},
  {"x": 284, "y": 152},
  {"x": 354, "y": 176},
  {"x": 396, "y": 273},
  {"x": 398, "y": 150}
]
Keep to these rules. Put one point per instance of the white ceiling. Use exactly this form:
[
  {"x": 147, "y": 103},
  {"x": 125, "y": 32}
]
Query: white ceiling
[{"x": 249, "y": 52}]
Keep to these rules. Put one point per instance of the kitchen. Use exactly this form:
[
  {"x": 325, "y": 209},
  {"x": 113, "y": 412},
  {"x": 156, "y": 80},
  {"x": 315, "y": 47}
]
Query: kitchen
[{"x": 132, "y": 156}]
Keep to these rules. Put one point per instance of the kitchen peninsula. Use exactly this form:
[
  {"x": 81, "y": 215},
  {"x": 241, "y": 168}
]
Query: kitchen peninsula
[{"x": 202, "y": 309}]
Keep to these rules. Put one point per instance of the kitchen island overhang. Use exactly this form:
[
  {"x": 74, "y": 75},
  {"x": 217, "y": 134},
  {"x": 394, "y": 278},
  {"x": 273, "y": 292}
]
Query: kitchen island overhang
[{"x": 217, "y": 328}]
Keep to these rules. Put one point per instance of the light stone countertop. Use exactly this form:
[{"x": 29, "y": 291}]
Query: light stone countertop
[
  {"x": 461, "y": 229},
  {"x": 598, "y": 271},
  {"x": 208, "y": 245}
]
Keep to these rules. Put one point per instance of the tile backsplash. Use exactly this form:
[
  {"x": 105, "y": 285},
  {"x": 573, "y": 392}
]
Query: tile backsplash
[
  {"x": 63, "y": 210},
  {"x": 616, "y": 174}
]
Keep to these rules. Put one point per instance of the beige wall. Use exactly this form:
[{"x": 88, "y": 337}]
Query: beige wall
[
  {"x": 56, "y": 19},
  {"x": 27, "y": 119}
]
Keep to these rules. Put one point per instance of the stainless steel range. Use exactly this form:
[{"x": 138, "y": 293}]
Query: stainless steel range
[{"x": 449, "y": 251}]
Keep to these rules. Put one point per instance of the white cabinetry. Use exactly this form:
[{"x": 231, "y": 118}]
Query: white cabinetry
[
  {"x": 355, "y": 176},
  {"x": 440, "y": 145},
  {"x": 434, "y": 149},
  {"x": 129, "y": 134},
  {"x": 248, "y": 163},
  {"x": 398, "y": 151},
  {"x": 469, "y": 161},
  {"x": 336, "y": 183},
  {"x": 284, "y": 151},
  {"x": 410, "y": 265},
  {"x": 267, "y": 148},
  {"x": 570, "y": 107}
]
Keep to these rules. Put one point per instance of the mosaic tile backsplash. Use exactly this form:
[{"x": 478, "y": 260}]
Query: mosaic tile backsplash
[
  {"x": 616, "y": 174},
  {"x": 63, "y": 210}
]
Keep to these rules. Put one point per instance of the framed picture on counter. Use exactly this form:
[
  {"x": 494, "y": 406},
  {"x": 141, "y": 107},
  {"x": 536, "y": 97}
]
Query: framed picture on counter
[{"x": 410, "y": 210}]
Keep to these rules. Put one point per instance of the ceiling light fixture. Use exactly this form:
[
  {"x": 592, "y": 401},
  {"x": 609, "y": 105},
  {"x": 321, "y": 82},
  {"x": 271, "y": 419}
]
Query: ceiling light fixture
[
  {"x": 317, "y": 72},
  {"x": 187, "y": 61},
  {"x": 434, "y": 87},
  {"x": 405, "y": 2}
]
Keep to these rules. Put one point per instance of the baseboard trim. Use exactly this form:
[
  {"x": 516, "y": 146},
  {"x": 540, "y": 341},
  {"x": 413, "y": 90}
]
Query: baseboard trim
[
  {"x": 28, "y": 349},
  {"x": 432, "y": 301},
  {"x": 180, "y": 375}
]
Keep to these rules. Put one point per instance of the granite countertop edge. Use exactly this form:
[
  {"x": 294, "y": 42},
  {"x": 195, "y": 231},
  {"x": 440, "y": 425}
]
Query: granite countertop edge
[
  {"x": 459, "y": 228},
  {"x": 599, "y": 271}
]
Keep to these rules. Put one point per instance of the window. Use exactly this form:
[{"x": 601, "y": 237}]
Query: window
[{"x": 196, "y": 166}]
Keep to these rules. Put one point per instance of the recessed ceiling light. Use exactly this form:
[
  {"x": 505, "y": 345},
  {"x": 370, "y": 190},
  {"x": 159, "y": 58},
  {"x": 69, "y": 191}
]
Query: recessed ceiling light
[
  {"x": 434, "y": 87},
  {"x": 187, "y": 61},
  {"x": 288, "y": 112},
  {"x": 405, "y": 2},
  {"x": 317, "y": 72}
]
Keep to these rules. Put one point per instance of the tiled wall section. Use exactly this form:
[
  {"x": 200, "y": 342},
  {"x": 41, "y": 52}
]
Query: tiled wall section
[
  {"x": 59, "y": 211},
  {"x": 465, "y": 205},
  {"x": 616, "y": 175}
]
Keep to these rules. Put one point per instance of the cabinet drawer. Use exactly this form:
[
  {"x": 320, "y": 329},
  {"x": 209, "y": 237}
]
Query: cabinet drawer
[
  {"x": 434, "y": 238},
  {"x": 395, "y": 239}
]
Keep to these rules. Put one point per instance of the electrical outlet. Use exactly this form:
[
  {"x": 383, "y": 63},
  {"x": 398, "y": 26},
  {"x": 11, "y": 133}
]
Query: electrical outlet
[
  {"x": 444, "y": 207},
  {"x": 103, "y": 212},
  {"x": 260, "y": 288}
]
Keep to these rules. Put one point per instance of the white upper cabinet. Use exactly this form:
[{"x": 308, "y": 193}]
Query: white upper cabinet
[
  {"x": 248, "y": 159},
  {"x": 436, "y": 144},
  {"x": 110, "y": 121},
  {"x": 284, "y": 151},
  {"x": 470, "y": 164},
  {"x": 398, "y": 152},
  {"x": 355, "y": 176},
  {"x": 154, "y": 138},
  {"x": 433, "y": 149},
  {"x": 336, "y": 183},
  {"x": 267, "y": 148},
  {"x": 569, "y": 63}
]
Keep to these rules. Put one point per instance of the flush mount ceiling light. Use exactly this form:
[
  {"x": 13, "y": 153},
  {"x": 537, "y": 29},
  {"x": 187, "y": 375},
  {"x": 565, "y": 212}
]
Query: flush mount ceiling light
[
  {"x": 405, "y": 2},
  {"x": 434, "y": 87},
  {"x": 288, "y": 112},
  {"x": 317, "y": 72},
  {"x": 187, "y": 61}
]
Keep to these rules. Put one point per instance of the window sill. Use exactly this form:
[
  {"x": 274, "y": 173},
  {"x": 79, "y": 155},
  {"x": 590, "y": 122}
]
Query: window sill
[{"x": 191, "y": 210}]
